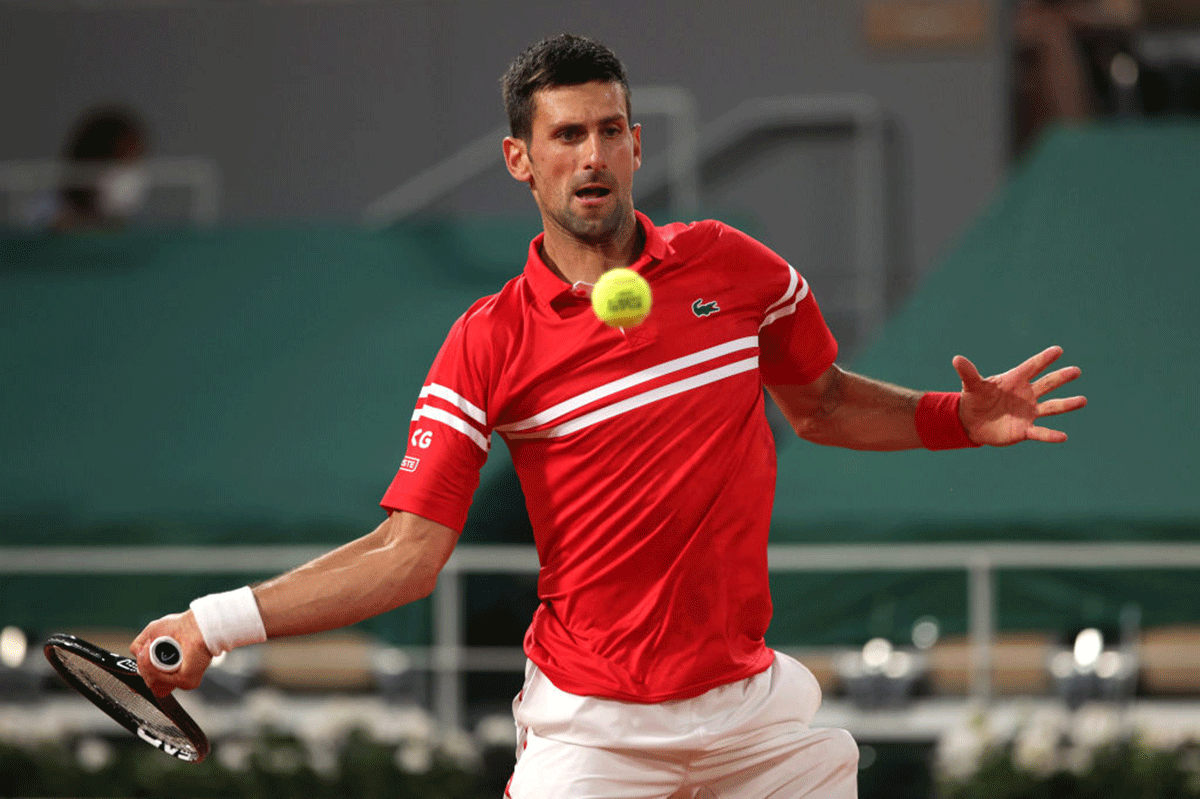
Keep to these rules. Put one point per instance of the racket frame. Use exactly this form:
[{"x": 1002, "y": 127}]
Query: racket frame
[{"x": 124, "y": 668}]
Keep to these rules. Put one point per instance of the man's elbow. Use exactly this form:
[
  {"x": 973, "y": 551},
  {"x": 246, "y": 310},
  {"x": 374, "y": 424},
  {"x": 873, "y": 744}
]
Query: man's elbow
[
  {"x": 814, "y": 430},
  {"x": 407, "y": 585},
  {"x": 425, "y": 584},
  {"x": 815, "y": 422},
  {"x": 421, "y": 573},
  {"x": 419, "y": 549},
  {"x": 811, "y": 408}
]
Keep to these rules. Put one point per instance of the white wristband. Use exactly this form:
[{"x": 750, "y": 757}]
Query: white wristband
[{"x": 229, "y": 619}]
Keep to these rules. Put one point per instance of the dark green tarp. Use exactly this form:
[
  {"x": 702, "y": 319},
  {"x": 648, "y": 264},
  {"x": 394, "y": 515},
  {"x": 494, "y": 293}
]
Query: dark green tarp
[
  {"x": 1094, "y": 245},
  {"x": 234, "y": 386}
]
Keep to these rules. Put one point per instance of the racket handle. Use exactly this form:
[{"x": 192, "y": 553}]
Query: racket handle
[{"x": 165, "y": 653}]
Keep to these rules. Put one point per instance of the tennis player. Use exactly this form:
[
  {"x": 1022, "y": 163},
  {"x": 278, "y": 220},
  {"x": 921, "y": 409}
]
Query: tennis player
[{"x": 648, "y": 469}]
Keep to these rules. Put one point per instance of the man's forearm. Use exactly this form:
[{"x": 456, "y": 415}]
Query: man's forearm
[
  {"x": 852, "y": 411},
  {"x": 395, "y": 564}
]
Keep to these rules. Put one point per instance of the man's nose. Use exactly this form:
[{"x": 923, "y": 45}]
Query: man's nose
[{"x": 593, "y": 152}]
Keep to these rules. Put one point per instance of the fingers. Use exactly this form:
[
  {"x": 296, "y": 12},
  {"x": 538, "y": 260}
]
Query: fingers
[
  {"x": 1037, "y": 363},
  {"x": 1055, "y": 379},
  {"x": 1057, "y": 406},
  {"x": 139, "y": 643},
  {"x": 138, "y": 647},
  {"x": 1026, "y": 371},
  {"x": 156, "y": 686},
  {"x": 1046, "y": 435},
  {"x": 967, "y": 372},
  {"x": 158, "y": 682},
  {"x": 187, "y": 677},
  {"x": 195, "y": 660}
]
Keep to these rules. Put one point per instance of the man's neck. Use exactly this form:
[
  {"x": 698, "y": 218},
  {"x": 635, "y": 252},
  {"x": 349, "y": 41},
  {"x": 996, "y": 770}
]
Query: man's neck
[{"x": 574, "y": 260}]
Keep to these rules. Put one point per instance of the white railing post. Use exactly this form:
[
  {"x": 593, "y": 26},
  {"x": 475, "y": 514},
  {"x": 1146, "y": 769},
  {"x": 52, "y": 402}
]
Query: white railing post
[
  {"x": 870, "y": 223},
  {"x": 448, "y": 648},
  {"x": 982, "y": 615},
  {"x": 683, "y": 151}
]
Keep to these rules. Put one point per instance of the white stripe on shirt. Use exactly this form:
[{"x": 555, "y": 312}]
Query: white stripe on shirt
[
  {"x": 793, "y": 279},
  {"x": 455, "y": 399},
  {"x": 645, "y": 398},
  {"x": 455, "y": 422},
  {"x": 608, "y": 389},
  {"x": 790, "y": 308}
]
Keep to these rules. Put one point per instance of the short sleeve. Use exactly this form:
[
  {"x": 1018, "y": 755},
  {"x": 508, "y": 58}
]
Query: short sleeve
[
  {"x": 795, "y": 344},
  {"x": 448, "y": 437}
]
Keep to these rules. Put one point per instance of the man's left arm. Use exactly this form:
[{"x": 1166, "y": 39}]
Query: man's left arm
[{"x": 844, "y": 409}]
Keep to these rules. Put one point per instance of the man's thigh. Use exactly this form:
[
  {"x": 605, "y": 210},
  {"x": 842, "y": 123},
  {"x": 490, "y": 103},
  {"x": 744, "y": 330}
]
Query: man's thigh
[
  {"x": 785, "y": 762},
  {"x": 549, "y": 769}
]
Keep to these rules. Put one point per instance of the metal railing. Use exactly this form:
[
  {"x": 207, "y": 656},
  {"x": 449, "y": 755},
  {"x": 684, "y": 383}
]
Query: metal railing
[
  {"x": 447, "y": 658},
  {"x": 680, "y": 167},
  {"x": 862, "y": 120},
  {"x": 689, "y": 147},
  {"x": 199, "y": 176}
]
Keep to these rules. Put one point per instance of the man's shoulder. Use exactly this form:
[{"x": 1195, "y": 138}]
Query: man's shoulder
[
  {"x": 692, "y": 235},
  {"x": 688, "y": 238},
  {"x": 493, "y": 313}
]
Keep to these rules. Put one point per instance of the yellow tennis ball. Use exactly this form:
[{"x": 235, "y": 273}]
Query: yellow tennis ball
[{"x": 621, "y": 298}]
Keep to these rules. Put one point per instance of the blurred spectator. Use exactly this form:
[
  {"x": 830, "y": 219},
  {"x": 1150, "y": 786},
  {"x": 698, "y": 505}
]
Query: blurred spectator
[
  {"x": 1169, "y": 55},
  {"x": 103, "y": 185},
  {"x": 1065, "y": 70}
]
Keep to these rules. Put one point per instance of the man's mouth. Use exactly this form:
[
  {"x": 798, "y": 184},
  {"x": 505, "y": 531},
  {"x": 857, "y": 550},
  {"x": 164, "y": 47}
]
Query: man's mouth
[{"x": 592, "y": 192}]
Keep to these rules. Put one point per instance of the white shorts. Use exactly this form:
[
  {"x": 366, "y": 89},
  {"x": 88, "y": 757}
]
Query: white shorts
[{"x": 746, "y": 740}]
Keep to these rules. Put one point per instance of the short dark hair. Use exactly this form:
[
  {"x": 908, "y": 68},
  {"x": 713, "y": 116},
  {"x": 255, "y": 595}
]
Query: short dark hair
[
  {"x": 99, "y": 133},
  {"x": 563, "y": 60}
]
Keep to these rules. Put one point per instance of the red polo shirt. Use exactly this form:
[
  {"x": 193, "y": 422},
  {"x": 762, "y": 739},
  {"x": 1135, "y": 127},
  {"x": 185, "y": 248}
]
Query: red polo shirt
[{"x": 644, "y": 454}]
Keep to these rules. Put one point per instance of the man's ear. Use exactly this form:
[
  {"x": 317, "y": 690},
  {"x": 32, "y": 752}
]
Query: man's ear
[
  {"x": 637, "y": 146},
  {"x": 516, "y": 158}
]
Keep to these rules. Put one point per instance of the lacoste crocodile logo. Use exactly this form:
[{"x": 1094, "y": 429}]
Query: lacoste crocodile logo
[{"x": 701, "y": 308}]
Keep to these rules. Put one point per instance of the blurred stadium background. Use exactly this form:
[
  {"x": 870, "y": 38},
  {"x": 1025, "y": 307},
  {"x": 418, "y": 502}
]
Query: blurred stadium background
[{"x": 220, "y": 388}]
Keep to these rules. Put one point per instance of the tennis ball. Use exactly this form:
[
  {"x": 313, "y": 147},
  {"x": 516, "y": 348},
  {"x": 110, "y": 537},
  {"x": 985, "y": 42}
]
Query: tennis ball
[{"x": 621, "y": 298}]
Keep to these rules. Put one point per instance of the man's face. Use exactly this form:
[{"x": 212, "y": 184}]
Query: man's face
[{"x": 580, "y": 159}]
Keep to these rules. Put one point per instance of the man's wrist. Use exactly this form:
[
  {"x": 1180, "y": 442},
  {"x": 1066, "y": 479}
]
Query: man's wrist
[
  {"x": 228, "y": 620},
  {"x": 938, "y": 423}
]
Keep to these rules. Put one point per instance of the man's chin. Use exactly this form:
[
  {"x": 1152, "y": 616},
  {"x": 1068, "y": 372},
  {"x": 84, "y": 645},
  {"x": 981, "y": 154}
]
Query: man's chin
[{"x": 596, "y": 230}]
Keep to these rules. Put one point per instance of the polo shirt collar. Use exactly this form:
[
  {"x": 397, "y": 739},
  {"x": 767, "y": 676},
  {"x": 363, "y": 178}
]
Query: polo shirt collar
[{"x": 548, "y": 286}]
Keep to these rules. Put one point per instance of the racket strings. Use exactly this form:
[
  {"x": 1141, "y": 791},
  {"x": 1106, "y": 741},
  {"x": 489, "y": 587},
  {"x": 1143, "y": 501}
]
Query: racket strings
[{"x": 115, "y": 692}]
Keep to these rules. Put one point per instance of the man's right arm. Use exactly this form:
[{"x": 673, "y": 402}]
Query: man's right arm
[{"x": 393, "y": 565}]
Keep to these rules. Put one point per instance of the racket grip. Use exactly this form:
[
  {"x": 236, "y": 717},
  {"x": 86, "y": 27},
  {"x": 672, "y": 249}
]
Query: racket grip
[{"x": 165, "y": 653}]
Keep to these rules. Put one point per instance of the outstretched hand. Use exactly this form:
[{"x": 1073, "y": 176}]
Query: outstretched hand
[{"x": 1004, "y": 409}]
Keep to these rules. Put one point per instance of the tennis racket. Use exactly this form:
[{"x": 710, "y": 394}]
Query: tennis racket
[{"x": 113, "y": 684}]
